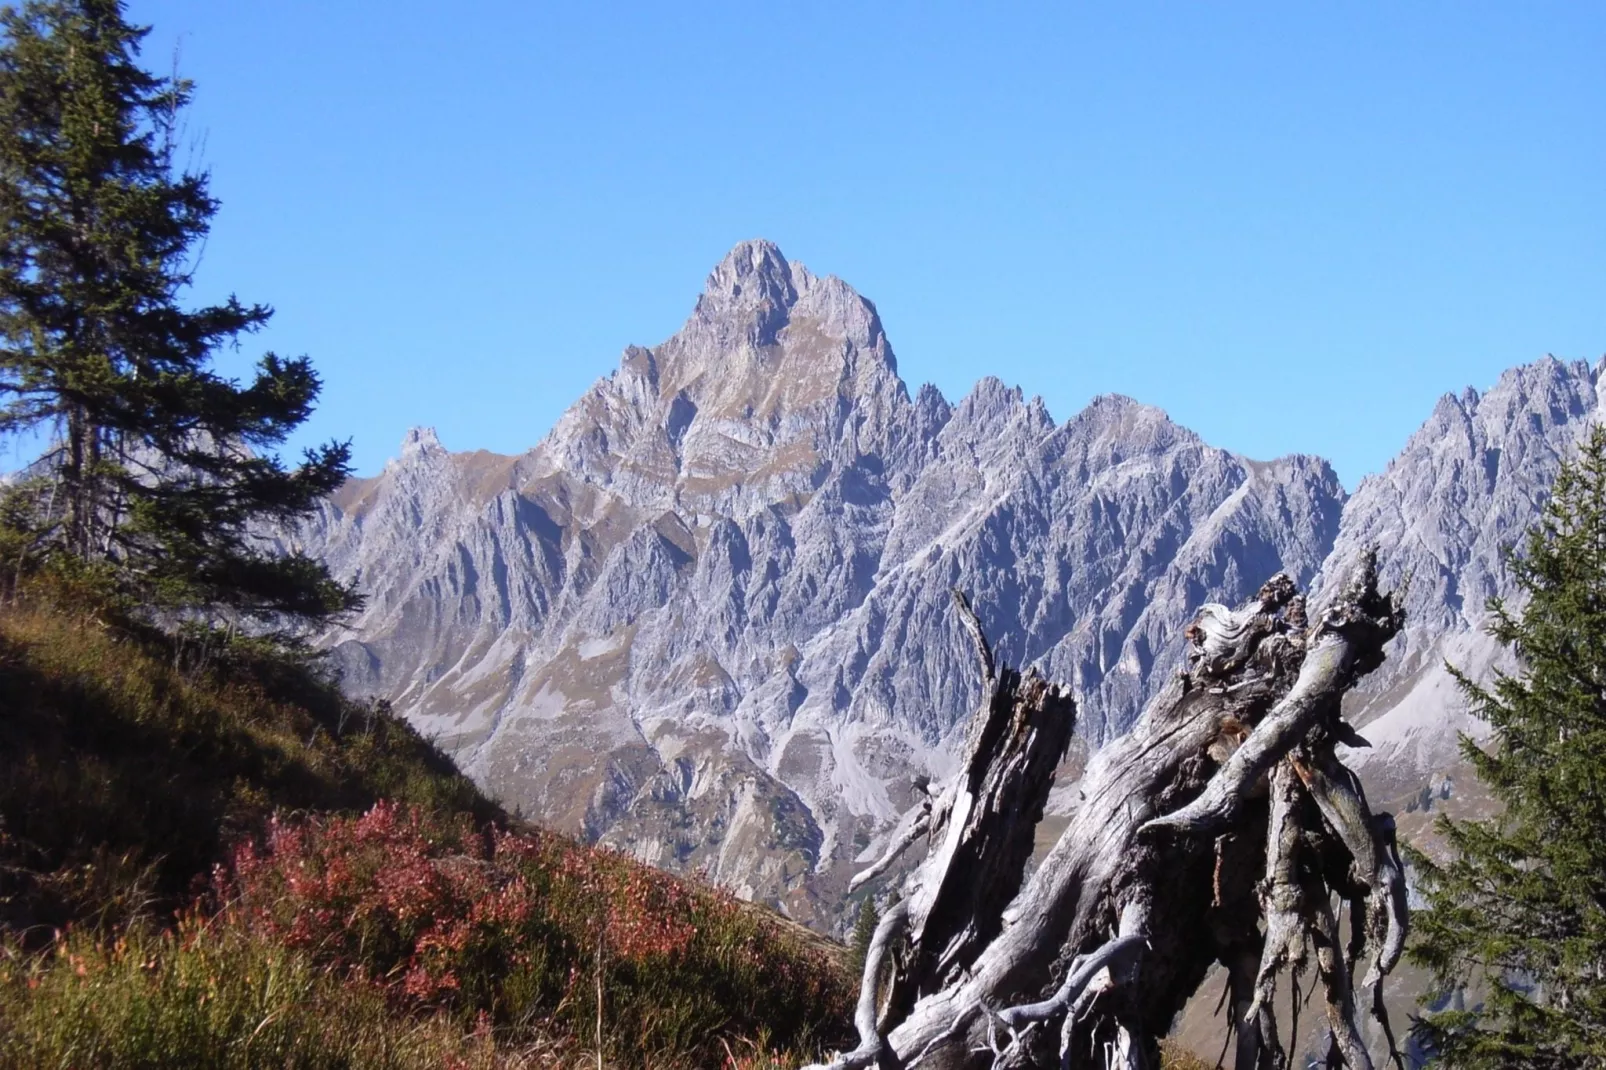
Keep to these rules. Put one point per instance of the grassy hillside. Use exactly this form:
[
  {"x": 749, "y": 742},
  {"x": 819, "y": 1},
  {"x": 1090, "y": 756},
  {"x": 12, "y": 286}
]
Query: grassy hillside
[
  {"x": 210, "y": 858},
  {"x": 128, "y": 759}
]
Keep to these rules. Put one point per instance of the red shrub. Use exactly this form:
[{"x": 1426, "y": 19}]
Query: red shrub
[{"x": 520, "y": 924}]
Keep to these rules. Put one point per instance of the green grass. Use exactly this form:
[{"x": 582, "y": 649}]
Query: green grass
[
  {"x": 209, "y": 858},
  {"x": 128, "y": 760},
  {"x": 213, "y": 997}
]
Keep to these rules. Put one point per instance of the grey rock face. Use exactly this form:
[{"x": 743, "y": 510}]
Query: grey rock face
[
  {"x": 1466, "y": 487},
  {"x": 707, "y": 618}
]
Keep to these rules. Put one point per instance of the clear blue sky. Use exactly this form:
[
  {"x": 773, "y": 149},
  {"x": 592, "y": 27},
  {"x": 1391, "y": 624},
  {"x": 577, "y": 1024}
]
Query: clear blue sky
[{"x": 1292, "y": 226}]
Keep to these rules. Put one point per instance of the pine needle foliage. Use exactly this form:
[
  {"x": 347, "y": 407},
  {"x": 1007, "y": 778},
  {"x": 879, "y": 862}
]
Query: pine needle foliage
[
  {"x": 1516, "y": 922},
  {"x": 162, "y": 467},
  {"x": 864, "y": 925}
]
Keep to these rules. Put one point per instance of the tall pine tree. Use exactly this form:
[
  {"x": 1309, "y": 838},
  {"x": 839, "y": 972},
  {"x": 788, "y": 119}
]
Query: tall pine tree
[
  {"x": 163, "y": 469},
  {"x": 1517, "y": 920}
]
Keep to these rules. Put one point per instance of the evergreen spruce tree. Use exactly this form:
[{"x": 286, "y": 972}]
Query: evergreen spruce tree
[
  {"x": 863, "y": 932},
  {"x": 163, "y": 468},
  {"x": 1517, "y": 920}
]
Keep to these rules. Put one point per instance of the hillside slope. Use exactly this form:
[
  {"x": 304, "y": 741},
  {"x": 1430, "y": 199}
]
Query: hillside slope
[
  {"x": 209, "y": 858},
  {"x": 130, "y": 761}
]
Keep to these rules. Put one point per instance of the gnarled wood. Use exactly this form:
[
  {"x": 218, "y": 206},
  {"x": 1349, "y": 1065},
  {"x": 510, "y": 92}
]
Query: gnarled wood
[
  {"x": 982, "y": 826},
  {"x": 1166, "y": 866}
]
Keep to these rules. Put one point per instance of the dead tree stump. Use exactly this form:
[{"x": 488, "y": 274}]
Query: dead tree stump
[{"x": 1223, "y": 828}]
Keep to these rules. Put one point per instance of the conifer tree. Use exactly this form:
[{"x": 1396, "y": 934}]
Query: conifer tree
[
  {"x": 863, "y": 932},
  {"x": 1517, "y": 920},
  {"x": 163, "y": 469}
]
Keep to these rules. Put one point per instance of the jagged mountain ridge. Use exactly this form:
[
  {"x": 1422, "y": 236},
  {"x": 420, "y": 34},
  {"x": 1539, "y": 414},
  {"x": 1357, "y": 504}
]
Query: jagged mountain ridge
[
  {"x": 1466, "y": 486},
  {"x": 707, "y": 619}
]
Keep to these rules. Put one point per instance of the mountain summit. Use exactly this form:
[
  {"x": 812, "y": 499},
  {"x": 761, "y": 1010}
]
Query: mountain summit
[
  {"x": 707, "y": 619},
  {"x": 757, "y": 290}
]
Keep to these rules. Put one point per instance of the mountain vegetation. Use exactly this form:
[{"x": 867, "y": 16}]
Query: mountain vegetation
[
  {"x": 158, "y": 470},
  {"x": 209, "y": 857},
  {"x": 1514, "y": 928},
  {"x": 864, "y": 926}
]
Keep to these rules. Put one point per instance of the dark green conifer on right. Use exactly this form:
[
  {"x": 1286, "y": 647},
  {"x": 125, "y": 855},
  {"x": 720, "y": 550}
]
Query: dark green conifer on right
[{"x": 1516, "y": 921}]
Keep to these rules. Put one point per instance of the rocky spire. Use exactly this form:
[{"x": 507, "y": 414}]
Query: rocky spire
[
  {"x": 420, "y": 440},
  {"x": 746, "y": 298}
]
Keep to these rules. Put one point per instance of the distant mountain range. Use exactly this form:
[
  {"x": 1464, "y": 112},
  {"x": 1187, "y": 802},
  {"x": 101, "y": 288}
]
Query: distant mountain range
[{"x": 707, "y": 619}]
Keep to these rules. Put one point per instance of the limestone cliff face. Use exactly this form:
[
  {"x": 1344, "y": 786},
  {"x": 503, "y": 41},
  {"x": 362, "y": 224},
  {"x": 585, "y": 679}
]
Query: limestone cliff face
[
  {"x": 1466, "y": 486},
  {"x": 707, "y": 619}
]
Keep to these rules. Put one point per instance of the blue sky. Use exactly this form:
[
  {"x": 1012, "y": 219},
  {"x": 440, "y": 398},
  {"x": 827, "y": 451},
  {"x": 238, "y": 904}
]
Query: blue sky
[{"x": 1291, "y": 226}]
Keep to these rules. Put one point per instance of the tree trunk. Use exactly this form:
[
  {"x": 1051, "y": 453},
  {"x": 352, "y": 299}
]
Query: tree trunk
[
  {"x": 1165, "y": 868},
  {"x": 73, "y": 476}
]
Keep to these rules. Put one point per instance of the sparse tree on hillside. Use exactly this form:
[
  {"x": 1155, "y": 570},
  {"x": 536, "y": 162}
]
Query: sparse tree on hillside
[
  {"x": 1518, "y": 918},
  {"x": 162, "y": 466},
  {"x": 863, "y": 930}
]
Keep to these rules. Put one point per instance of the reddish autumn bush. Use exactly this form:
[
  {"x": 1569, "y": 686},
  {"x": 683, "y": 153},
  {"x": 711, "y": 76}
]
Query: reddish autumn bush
[{"x": 529, "y": 928}]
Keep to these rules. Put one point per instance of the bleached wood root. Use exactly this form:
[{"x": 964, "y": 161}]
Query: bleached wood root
[
  {"x": 1348, "y": 637},
  {"x": 1227, "y": 784},
  {"x": 1342, "y": 1021},
  {"x": 1247, "y": 1020},
  {"x": 1117, "y": 952},
  {"x": 1283, "y": 900},
  {"x": 1321, "y": 680},
  {"x": 871, "y": 1045},
  {"x": 1113, "y": 958},
  {"x": 1391, "y": 878},
  {"x": 1338, "y": 795},
  {"x": 982, "y": 824},
  {"x": 902, "y": 840}
]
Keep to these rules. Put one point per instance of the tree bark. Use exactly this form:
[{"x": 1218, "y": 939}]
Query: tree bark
[{"x": 1223, "y": 814}]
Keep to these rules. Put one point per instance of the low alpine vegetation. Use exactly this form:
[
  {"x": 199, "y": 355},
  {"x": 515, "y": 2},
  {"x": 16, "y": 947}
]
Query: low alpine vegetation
[
  {"x": 210, "y": 858},
  {"x": 395, "y": 939},
  {"x": 525, "y": 928}
]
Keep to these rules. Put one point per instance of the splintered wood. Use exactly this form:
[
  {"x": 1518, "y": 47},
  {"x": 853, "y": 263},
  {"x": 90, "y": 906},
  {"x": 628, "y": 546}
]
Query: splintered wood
[{"x": 1223, "y": 828}]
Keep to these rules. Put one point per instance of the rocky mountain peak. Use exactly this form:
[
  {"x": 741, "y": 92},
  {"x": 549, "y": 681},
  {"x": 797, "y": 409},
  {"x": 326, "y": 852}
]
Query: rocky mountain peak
[
  {"x": 1117, "y": 428},
  {"x": 750, "y": 292},
  {"x": 1464, "y": 488},
  {"x": 421, "y": 442},
  {"x": 709, "y": 619},
  {"x": 755, "y": 294},
  {"x": 751, "y": 269},
  {"x": 420, "y": 438},
  {"x": 1119, "y": 409}
]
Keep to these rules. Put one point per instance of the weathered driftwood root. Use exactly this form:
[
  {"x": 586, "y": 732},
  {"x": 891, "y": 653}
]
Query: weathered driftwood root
[
  {"x": 1220, "y": 829},
  {"x": 1283, "y": 906},
  {"x": 979, "y": 830},
  {"x": 871, "y": 1046},
  {"x": 915, "y": 824}
]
